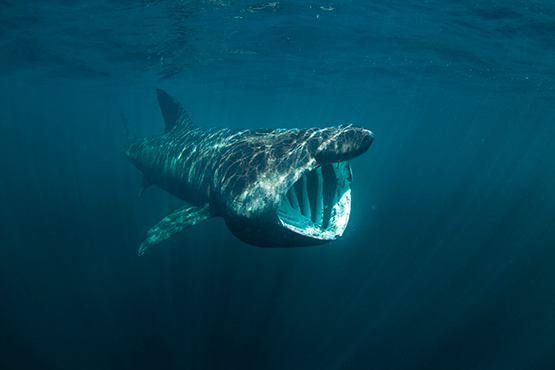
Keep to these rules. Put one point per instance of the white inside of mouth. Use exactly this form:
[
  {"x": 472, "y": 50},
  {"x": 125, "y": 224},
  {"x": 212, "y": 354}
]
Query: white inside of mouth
[{"x": 319, "y": 203}]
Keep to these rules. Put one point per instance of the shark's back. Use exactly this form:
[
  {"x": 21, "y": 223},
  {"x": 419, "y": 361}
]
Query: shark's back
[
  {"x": 181, "y": 161},
  {"x": 183, "y": 158}
]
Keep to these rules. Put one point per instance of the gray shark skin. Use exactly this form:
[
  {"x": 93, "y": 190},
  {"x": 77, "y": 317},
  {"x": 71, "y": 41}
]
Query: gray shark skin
[{"x": 273, "y": 187}]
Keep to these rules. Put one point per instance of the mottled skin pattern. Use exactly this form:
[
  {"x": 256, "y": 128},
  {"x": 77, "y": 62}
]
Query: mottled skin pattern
[{"x": 241, "y": 174}]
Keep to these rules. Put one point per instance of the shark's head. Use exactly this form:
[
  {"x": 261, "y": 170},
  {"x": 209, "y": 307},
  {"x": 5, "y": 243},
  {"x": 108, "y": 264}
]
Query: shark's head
[{"x": 298, "y": 190}]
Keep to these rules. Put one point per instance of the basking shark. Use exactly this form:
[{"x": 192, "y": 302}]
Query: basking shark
[{"x": 273, "y": 187}]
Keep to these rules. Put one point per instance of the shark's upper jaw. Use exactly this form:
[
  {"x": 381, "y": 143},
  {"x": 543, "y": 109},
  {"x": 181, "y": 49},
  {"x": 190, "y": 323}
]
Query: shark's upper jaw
[{"x": 318, "y": 204}]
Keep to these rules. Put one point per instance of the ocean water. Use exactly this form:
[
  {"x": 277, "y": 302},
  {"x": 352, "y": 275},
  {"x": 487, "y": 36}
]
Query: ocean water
[{"x": 448, "y": 261}]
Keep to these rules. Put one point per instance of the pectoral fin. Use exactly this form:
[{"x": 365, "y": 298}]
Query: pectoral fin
[
  {"x": 146, "y": 183},
  {"x": 173, "y": 223}
]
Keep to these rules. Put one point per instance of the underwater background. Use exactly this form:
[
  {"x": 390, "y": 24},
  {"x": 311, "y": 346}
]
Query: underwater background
[{"x": 448, "y": 261}]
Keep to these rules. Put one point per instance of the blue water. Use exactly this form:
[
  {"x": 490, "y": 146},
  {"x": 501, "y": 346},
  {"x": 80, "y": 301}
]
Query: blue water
[{"x": 448, "y": 261}]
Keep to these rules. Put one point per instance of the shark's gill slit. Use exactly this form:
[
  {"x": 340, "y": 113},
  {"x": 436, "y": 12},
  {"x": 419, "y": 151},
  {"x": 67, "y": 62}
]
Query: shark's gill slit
[
  {"x": 306, "y": 202},
  {"x": 312, "y": 186},
  {"x": 293, "y": 199},
  {"x": 319, "y": 206},
  {"x": 328, "y": 193}
]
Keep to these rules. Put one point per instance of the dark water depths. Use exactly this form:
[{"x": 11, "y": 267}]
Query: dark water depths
[{"x": 448, "y": 260}]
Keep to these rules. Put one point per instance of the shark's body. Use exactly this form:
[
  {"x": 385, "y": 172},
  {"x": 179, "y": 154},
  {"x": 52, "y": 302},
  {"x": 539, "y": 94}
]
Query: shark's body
[{"x": 273, "y": 187}]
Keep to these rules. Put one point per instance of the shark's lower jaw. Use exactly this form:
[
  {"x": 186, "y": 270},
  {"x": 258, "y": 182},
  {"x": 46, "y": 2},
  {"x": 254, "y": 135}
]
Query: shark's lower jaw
[{"x": 318, "y": 205}]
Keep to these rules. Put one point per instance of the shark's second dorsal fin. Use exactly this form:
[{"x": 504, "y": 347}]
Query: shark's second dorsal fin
[{"x": 173, "y": 112}]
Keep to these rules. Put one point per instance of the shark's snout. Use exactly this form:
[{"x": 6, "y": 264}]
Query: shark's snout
[{"x": 349, "y": 142}]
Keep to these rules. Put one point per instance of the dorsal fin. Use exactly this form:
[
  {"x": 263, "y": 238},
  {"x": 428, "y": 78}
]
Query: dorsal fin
[{"x": 173, "y": 112}]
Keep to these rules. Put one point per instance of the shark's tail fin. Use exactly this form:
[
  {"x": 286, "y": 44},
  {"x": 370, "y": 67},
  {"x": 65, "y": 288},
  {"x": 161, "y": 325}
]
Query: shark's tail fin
[{"x": 173, "y": 112}]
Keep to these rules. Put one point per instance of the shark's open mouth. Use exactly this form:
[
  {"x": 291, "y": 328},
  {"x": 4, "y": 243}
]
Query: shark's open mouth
[{"x": 319, "y": 203}]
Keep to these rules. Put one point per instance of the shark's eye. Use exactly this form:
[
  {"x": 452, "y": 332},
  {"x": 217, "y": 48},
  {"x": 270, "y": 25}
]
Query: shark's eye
[{"x": 319, "y": 203}]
